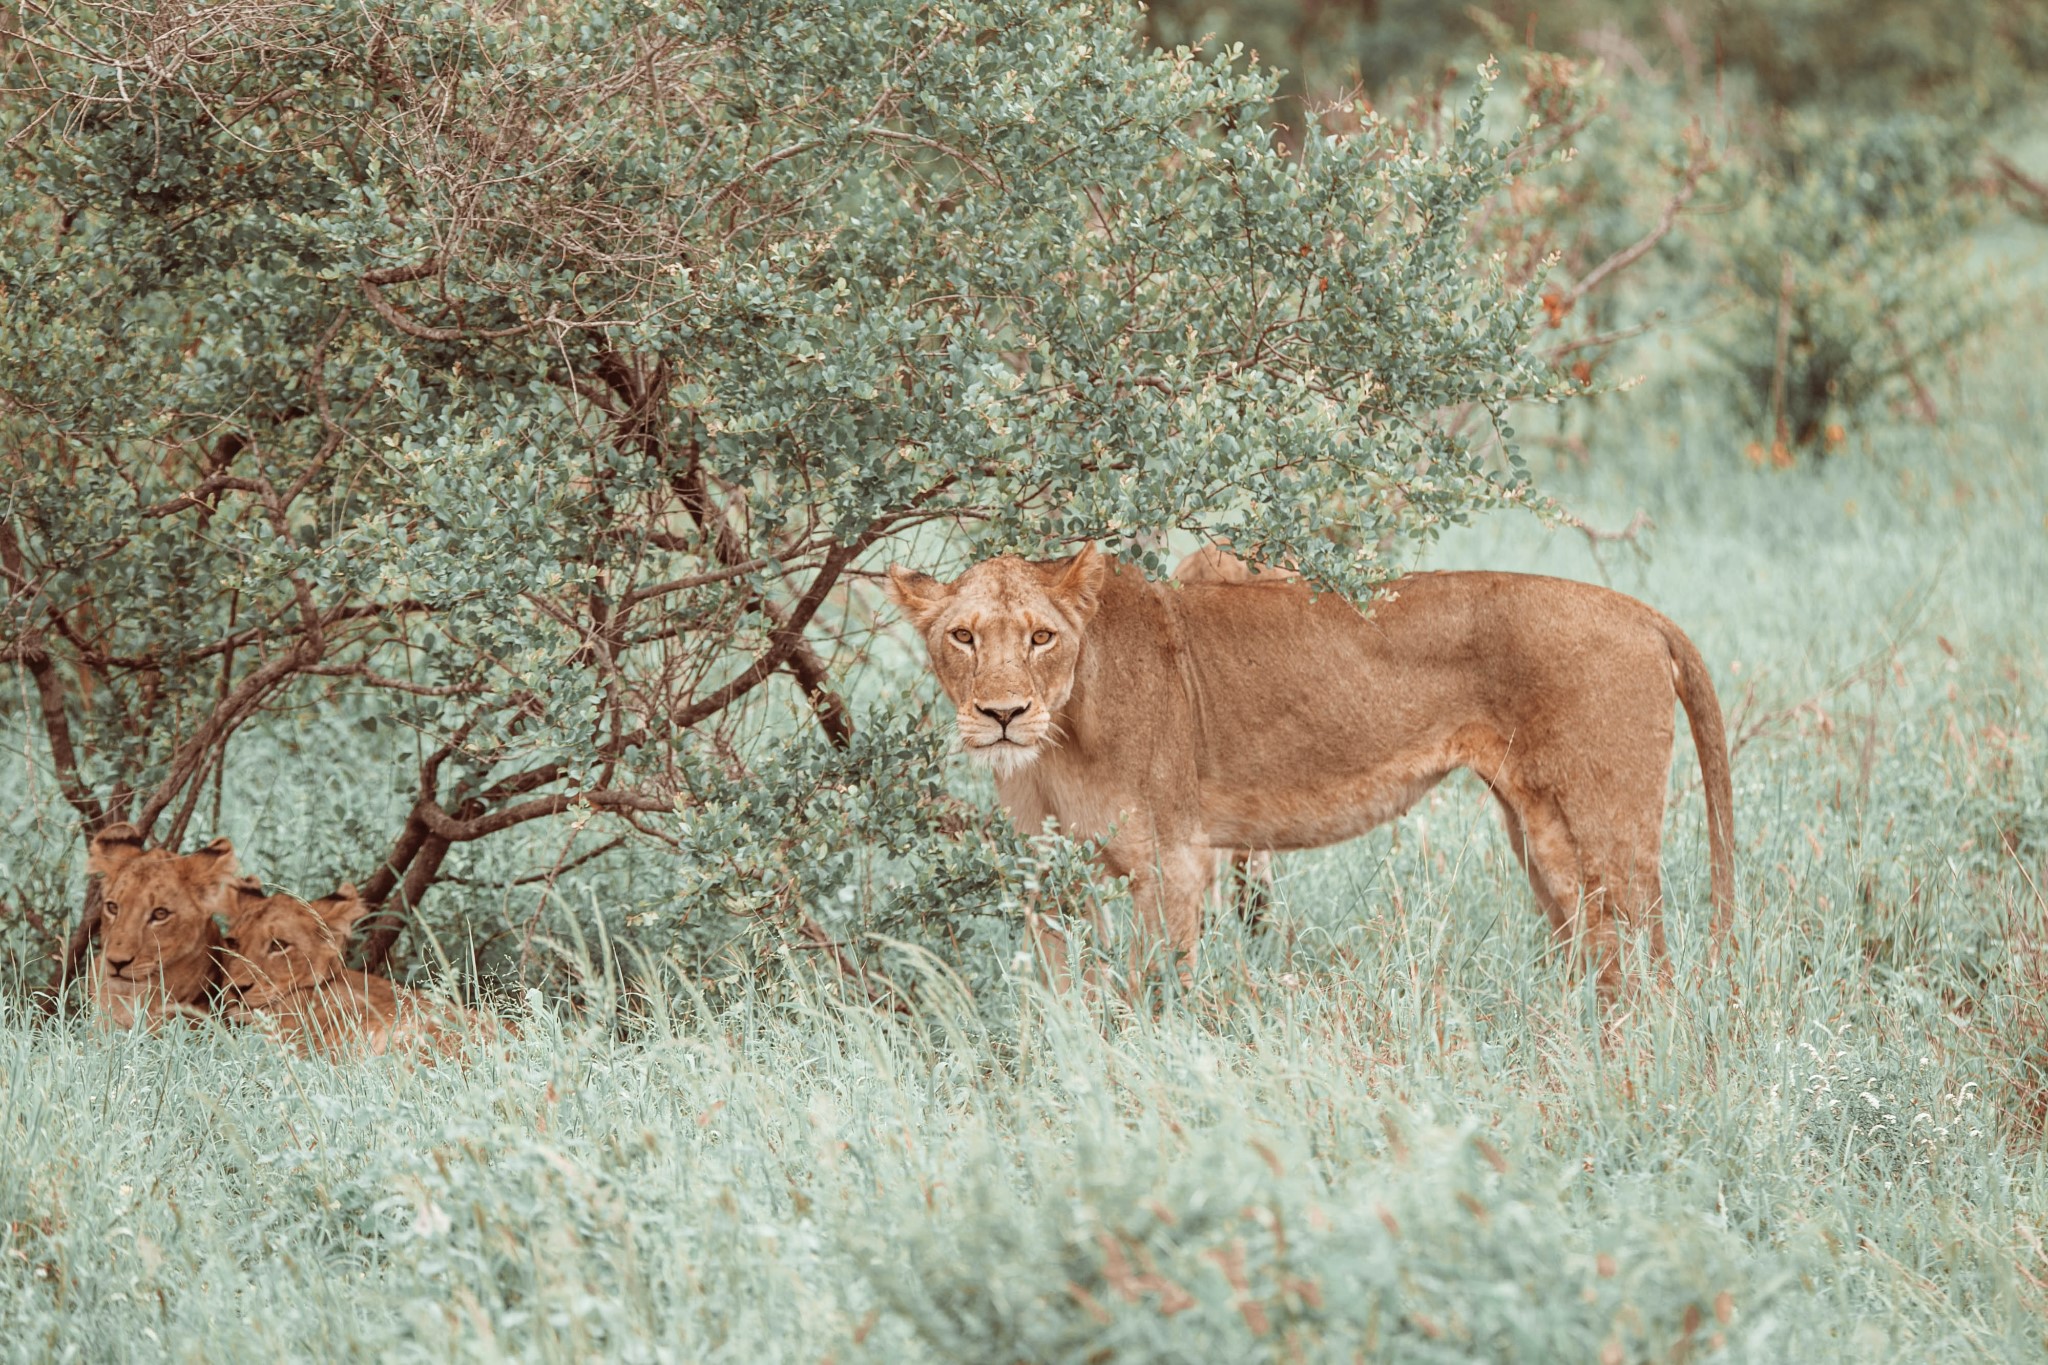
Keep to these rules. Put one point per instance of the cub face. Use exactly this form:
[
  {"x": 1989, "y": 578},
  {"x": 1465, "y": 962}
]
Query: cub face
[
  {"x": 280, "y": 944},
  {"x": 157, "y": 931},
  {"x": 1004, "y": 640}
]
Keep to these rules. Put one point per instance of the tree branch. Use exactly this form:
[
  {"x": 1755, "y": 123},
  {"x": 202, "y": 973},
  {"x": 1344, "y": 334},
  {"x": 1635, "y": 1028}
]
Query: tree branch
[
  {"x": 372, "y": 282},
  {"x": 787, "y": 638},
  {"x": 42, "y": 670},
  {"x": 1621, "y": 260},
  {"x": 455, "y": 830}
]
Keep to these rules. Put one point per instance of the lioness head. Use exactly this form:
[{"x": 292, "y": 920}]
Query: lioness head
[
  {"x": 280, "y": 944},
  {"x": 1004, "y": 640},
  {"x": 157, "y": 935}
]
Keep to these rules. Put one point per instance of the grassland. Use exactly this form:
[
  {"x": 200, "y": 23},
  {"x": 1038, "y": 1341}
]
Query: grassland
[{"x": 1385, "y": 1126}]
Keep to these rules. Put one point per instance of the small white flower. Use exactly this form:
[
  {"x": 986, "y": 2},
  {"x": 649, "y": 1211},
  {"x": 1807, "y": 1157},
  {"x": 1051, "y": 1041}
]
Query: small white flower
[{"x": 433, "y": 1221}]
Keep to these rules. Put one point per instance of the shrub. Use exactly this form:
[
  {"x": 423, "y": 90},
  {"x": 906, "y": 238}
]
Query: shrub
[
  {"x": 537, "y": 385},
  {"x": 1850, "y": 276}
]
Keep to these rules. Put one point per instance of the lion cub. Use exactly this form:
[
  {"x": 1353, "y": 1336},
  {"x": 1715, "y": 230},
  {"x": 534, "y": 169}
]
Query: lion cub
[
  {"x": 284, "y": 962},
  {"x": 160, "y": 949}
]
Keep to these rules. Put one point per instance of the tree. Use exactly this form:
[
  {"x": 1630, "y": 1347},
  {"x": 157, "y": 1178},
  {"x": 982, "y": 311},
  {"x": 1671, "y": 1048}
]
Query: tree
[{"x": 542, "y": 378}]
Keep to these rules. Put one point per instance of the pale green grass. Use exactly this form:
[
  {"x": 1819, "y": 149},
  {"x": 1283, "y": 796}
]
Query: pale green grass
[{"x": 1386, "y": 1126}]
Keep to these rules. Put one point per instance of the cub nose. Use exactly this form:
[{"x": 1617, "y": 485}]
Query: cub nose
[
  {"x": 117, "y": 965},
  {"x": 1003, "y": 715}
]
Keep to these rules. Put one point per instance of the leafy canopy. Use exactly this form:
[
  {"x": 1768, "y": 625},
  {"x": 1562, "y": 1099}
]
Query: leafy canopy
[{"x": 549, "y": 373}]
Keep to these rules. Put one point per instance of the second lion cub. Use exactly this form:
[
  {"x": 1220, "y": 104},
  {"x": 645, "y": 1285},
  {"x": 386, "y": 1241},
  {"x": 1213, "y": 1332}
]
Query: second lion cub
[{"x": 284, "y": 965}]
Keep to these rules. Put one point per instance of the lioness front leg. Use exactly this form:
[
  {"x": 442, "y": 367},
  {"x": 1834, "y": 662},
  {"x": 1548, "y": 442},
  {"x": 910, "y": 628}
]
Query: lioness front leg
[
  {"x": 1050, "y": 940},
  {"x": 1168, "y": 891}
]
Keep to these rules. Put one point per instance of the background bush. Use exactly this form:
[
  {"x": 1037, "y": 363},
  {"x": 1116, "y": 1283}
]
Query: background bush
[{"x": 1852, "y": 271}]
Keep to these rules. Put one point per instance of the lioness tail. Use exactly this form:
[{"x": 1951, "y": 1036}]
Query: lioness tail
[{"x": 1703, "y": 711}]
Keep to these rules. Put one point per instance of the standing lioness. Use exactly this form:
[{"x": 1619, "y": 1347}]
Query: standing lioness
[{"x": 1259, "y": 715}]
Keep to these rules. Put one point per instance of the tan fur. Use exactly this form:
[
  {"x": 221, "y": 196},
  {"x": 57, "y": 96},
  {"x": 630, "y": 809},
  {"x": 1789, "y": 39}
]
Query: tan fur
[
  {"x": 1259, "y": 715},
  {"x": 1244, "y": 880},
  {"x": 159, "y": 946},
  {"x": 284, "y": 960}
]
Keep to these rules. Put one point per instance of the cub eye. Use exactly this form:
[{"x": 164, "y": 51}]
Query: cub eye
[
  {"x": 1041, "y": 637},
  {"x": 108, "y": 910},
  {"x": 159, "y": 915},
  {"x": 279, "y": 946},
  {"x": 964, "y": 635}
]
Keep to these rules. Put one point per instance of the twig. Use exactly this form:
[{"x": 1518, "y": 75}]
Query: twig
[
  {"x": 1628, "y": 256},
  {"x": 2016, "y": 183},
  {"x": 35, "y": 921},
  {"x": 1925, "y": 400},
  {"x": 535, "y": 877},
  {"x": 372, "y": 281},
  {"x": 1780, "y": 355},
  {"x": 1595, "y": 537},
  {"x": 815, "y": 935}
]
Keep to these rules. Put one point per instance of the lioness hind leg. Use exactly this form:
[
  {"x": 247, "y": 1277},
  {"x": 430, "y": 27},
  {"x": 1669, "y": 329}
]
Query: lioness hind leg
[
  {"x": 1626, "y": 869},
  {"x": 1244, "y": 884},
  {"x": 1581, "y": 914},
  {"x": 1549, "y": 900}
]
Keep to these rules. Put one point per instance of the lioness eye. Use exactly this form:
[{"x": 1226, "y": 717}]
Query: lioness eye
[
  {"x": 1041, "y": 637},
  {"x": 964, "y": 636},
  {"x": 279, "y": 946},
  {"x": 159, "y": 915},
  {"x": 108, "y": 910}
]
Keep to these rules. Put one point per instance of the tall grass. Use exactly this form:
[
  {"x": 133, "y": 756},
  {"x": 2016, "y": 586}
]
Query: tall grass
[{"x": 1390, "y": 1124}]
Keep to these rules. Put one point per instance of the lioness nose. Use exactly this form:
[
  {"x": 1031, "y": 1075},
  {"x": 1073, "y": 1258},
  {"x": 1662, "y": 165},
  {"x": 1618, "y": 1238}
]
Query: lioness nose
[
  {"x": 117, "y": 965},
  {"x": 1003, "y": 715}
]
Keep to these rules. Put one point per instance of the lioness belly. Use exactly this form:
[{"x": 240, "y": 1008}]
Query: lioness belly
[
  {"x": 1326, "y": 810},
  {"x": 1483, "y": 671}
]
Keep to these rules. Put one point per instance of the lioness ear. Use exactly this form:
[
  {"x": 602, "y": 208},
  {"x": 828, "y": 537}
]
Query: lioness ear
[
  {"x": 113, "y": 847},
  {"x": 919, "y": 594},
  {"x": 1079, "y": 586}
]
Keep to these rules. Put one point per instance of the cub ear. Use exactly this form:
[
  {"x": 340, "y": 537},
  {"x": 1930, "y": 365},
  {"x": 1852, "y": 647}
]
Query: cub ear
[
  {"x": 340, "y": 911},
  {"x": 214, "y": 877},
  {"x": 113, "y": 848},
  {"x": 920, "y": 595},
  {"x": 217, "y": 860},
  {"x": 248, "y": 897},
  {"x": 1079, "y": 586}
]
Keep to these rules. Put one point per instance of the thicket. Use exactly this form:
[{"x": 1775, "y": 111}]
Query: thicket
[
  {"x": 1864, "y": 53},
  {"x": 534, "y": 389},
  {"x": 1851, "y": 272},
  {"x": 535, "y": 392},
  {"x": 1851, "y": 146}
]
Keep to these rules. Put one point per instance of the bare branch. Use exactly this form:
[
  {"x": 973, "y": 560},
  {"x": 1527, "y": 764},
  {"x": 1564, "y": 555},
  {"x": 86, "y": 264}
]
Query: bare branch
[
  {"x": 457, "y": 831},
  {"x": 50, "y": 692},
  {"x": 787, "y": 637},
  {"x": 2028, "y": 195},
  {"x": 369, "y": 678},
  {"x": 654, "y": 590},
  {"x": 1701, "y": 161},
  {"x": 372, "y": 282}
]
